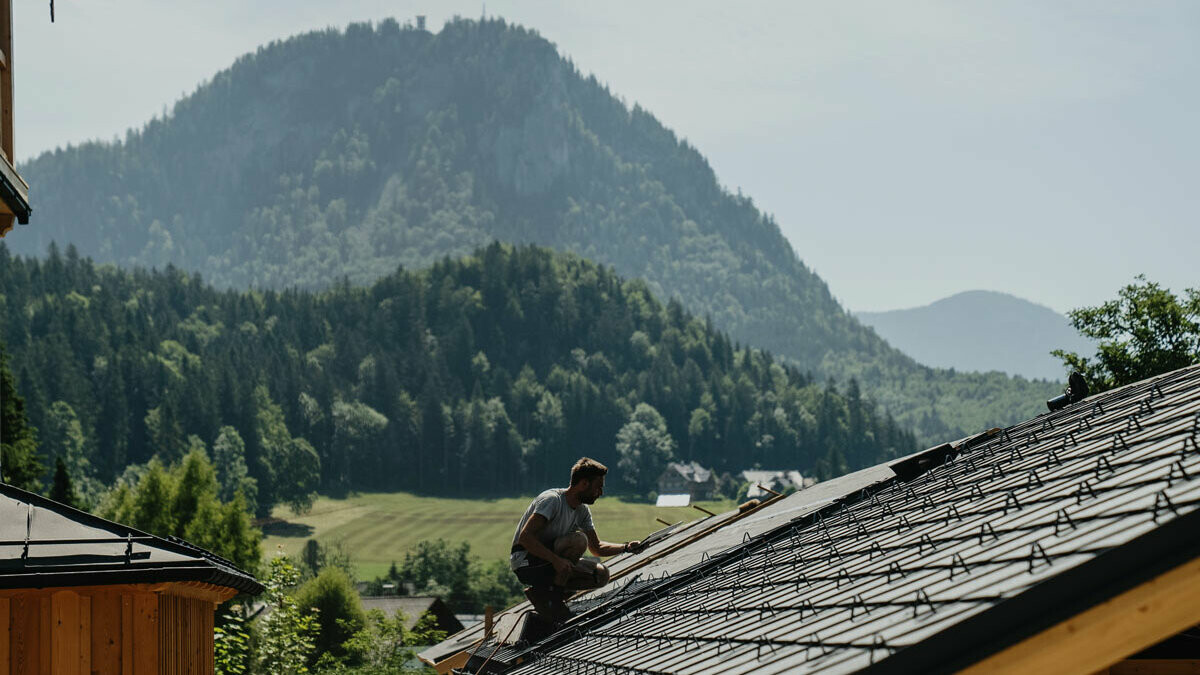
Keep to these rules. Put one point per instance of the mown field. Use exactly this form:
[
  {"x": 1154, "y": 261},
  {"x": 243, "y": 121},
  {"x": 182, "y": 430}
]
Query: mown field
[{"x": 378, "y": 528}]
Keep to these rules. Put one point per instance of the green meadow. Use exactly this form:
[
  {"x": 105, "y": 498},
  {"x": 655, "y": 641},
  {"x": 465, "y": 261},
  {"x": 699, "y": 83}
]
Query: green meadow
[{"x": 378, "y": 528}]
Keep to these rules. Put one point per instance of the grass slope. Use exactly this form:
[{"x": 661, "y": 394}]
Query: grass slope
[{"x": 378, "y": 528}]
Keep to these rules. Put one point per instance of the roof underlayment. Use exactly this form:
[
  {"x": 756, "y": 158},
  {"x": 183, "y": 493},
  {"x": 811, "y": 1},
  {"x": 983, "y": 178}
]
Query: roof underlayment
[{"x": 925, "y": 564}]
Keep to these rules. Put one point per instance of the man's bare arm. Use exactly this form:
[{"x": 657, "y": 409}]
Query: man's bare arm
[
  {"x": 532, "y": 545},
  {"x": 607, "y": 548}
]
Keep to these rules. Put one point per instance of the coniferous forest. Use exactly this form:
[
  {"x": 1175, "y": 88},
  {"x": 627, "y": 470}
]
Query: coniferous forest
[
  {"x": 345, "y": 153},
  {"x": 479, "y": 376}
]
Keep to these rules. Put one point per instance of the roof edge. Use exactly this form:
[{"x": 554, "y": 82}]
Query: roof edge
[
  {"x": 1051, "y": 602},
  {"x": 218, "y": 571},
  {"x": 14, "y": 192},
  {"x": 144, "y": 575}
]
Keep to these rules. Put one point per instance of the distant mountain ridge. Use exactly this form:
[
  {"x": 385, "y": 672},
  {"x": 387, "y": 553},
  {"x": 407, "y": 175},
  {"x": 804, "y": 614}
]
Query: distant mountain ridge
[
  {"x": 982, "y": 331},
  {"x": 347, "y": 153}
]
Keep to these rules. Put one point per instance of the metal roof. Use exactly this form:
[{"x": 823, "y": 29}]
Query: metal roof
[
  {"x": 413, "y": 607},
  {"x": 46, "y": 544},
  {"x": 690, "y": 471},
  {"x": 622, "y": 567},
  {"x": 926, "y": 564}
]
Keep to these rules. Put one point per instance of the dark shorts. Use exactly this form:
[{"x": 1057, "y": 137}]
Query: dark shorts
[{"x": 538, "y": 573}]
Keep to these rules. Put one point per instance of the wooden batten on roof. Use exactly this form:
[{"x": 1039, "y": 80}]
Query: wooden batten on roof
[{"x": 14, "y": 192}]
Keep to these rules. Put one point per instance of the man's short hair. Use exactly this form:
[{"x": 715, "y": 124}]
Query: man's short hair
[{"x": 586, "y": 469}]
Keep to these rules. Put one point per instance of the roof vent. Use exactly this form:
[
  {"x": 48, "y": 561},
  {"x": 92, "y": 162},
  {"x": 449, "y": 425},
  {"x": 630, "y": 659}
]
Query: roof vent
[{"x": 1077, "y": 390}]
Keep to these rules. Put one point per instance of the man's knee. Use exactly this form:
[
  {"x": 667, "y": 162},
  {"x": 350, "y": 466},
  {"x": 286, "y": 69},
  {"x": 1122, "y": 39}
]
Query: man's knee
[
  {"x": 587, "y": 574},
  {"x": 571, "y": 546},
  {"x": 600, "y": 575}
]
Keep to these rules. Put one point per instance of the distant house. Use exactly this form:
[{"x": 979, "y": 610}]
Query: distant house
[
  {"x": 778, "y": 481},
  {"x": 413, "y": 607},
  {"x": 689, "y": 478},
  {"x": 81, "y": 594}
]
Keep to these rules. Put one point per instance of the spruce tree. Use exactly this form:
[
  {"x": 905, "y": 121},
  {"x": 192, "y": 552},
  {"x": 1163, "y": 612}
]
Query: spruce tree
[
  {"x": 63, "y": 491},
  {"x": 20, "y": 464}
]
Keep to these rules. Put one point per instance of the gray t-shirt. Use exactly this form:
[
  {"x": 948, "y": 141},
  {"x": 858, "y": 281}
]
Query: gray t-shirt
[{"x": 560, "y": 519}]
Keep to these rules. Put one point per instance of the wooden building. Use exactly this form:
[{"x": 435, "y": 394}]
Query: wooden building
[
  {"x": 689, "y": 478},
  {"x": 14, "y": 193},
  {"x": 81, "y": 595},
  {"x": 413, "y": 607}
]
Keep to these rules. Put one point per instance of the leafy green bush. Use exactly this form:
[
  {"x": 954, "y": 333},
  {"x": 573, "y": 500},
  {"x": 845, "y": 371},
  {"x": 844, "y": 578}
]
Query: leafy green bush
[
  {"x": 383, "y": 646},
  {"x": 339, "y": 611},
  {"x": 285, "y": 639},
  {"x": 231, "y": 643}
]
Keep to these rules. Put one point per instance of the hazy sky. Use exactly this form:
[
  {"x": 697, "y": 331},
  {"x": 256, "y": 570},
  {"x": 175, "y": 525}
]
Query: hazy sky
[{"x": 909, "y": 150}]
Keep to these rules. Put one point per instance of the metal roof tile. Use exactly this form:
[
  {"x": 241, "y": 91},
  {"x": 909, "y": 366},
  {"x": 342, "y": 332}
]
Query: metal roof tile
[{"x": 879, "y": 569}]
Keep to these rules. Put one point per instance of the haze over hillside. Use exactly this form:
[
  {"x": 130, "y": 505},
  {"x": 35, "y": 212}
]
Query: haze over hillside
[
  {"x": 982, "y": 331},
  {"x": 347, "y": 153}
]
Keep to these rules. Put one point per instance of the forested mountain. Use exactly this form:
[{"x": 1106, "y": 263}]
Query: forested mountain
[
  {"x": 982, "y": 331},
  {"x": 345, "y": 153},
  {"x": 481, "y": 376}
]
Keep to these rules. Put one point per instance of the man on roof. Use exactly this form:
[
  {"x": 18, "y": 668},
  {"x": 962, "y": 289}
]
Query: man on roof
[{"x": 552, "y": 537}]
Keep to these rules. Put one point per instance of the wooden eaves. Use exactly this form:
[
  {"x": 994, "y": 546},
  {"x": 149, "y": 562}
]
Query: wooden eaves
[
  {"x": 1099, "y": 638},
  {"x": 14, "y": 192}
]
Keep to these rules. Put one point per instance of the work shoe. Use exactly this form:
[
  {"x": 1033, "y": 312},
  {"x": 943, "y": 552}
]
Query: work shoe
[
  {"x": 542, "y": 599},
  {"x": 549, "y": 604},
  {"x": 560, "y": 613}
]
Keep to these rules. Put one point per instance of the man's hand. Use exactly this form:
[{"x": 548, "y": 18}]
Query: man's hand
[
  {"x": 605, "y": 548},
  {"x": 562, "y": 567}
]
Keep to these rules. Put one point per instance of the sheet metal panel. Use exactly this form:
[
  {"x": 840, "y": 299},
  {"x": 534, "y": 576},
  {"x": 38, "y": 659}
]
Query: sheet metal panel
[{"x": 44, "y": 543}]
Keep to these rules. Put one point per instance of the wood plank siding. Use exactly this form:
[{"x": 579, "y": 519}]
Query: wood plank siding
[
  {"x": 186, "y": 636},
  {"x": 139, "y": 629}
]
